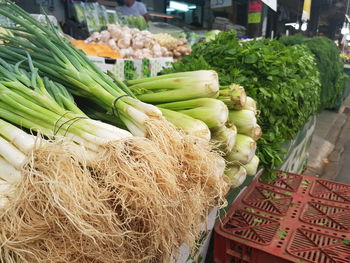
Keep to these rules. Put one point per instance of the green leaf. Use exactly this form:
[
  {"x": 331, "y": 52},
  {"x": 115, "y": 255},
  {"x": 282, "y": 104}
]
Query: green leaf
[{"x": 251, "y": 59}]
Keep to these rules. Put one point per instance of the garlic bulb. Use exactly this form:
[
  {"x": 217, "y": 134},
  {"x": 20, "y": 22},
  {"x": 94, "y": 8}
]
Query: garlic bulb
[
  {"x": 124, "y": 43},
  {"x": 105, "y": 36}
]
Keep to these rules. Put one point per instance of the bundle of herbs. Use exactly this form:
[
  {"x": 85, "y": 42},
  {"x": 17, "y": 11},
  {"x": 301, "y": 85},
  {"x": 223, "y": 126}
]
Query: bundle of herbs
[{"x": 329, "y": 63}]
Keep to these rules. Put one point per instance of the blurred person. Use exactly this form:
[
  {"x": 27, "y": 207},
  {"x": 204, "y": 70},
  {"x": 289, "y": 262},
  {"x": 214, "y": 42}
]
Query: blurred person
[{"x": 134, "y": 8}]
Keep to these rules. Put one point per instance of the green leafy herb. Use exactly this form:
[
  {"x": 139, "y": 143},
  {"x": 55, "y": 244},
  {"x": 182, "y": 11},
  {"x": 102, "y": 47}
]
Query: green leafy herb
[{"x": 329, "y": 64}]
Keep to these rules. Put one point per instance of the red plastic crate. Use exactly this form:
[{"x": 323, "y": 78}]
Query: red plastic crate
[{"x": 296, "y": 219}]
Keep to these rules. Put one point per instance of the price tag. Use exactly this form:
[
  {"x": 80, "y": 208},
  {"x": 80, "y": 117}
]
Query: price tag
[
  {"x": 220, "y": 3},
  {"x": 254, "y": 18},
  {"x": 255, "y": 6}
]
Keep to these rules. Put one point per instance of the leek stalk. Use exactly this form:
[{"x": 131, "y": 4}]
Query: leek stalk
[
  {"x": 246, "y": 123},
  {"x": 224, "y": 138},
  {"x": 250, "y": 105},
  {"x": 236, "y": 174},
  {"x": 252, "y": 166},
  {"x": 243, "y": 151},
  {"x": 212, "y": 112},
  {"x": 233, "y": 96},
  {"x": 188, "y": 124},
  {"x": 176, "y": 87}
]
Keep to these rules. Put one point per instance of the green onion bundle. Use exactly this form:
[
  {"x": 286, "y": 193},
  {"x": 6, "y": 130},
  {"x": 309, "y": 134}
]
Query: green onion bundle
[
  {"x": 25, "y": 101},
  {"x": 59, "y": 60}
]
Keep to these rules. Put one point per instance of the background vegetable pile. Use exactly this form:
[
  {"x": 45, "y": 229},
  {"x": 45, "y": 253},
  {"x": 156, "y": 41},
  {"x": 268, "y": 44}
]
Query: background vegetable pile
[
  {"x": 329, "y": 64},
  {"x": 283, "y": 80}
]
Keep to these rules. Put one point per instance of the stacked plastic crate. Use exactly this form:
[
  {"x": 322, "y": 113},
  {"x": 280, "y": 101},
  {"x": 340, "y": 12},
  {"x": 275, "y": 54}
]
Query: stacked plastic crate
[{"x": 296, "y": 219}]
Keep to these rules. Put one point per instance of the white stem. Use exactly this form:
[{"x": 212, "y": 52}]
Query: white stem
[
  {"x": 81, "y": 141},
  {"x": 149, "y": 109},
  {"x": 23, "y": 141},
  {"x": 15, "y": 157},
  {"x": 5, "y": 188},
  {"x": 221, "y": 165},
  {"x": 114, "y": 130},
  {"x": 9, "y": 173},
  {"x": 134, "y": 129},
  {"x": 136, "y": 115}
]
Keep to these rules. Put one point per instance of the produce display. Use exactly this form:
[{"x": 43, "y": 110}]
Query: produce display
[
  {"x": 96, "y": 17},
  {"x": 95, "y": 169},
  {"x": 224, "y": 110},
  {"x": 99, "y": 50},
  {"x": 283, "y": 80},
  {"x": 329, "y": 64},
  {"x": 129, "y": 42},
  {"x": 82, "y": 190},
  {"x": 138, "y": 22},
  {"x": 177, "y": 47},
  {"x": 135, "y": 44}
]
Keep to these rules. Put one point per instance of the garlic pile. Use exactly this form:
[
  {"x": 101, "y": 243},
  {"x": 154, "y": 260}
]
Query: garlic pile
[
  {"x": 130, "y": 42},
  {"x": 177, "y": 47}
]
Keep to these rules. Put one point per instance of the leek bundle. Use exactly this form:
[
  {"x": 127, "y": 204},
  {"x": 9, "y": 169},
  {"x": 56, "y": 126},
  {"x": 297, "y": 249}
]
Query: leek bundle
[
  {"x": 233, "y": 96},
  {"x": 50, "y": 200},
  {"x": 57, "y": 59},
  {"x": 224, "y": 138},
  {"x": 246, "y": 123},
  {"x": 252, "y": 166},
  {"x": 236, "y": 174},
  {"x": 243, "y": 151},
  {"x": 212, "y": 112},
  {"x": 125, "y": 171},
  {"x": 187, "y": 124},
  {"x": 117, "y": 160},
  {"x": 250, "y": 105},
  {"x": 176, "y": 87}
]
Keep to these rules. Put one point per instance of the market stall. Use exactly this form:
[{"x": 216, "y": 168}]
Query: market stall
[{"x": 125, "y": 146}]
